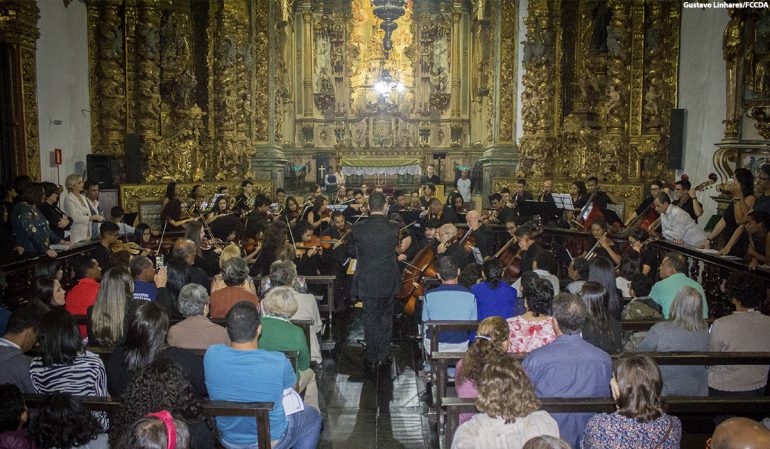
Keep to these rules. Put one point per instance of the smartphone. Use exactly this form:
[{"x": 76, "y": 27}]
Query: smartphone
[{"x": 159, "y": 261}]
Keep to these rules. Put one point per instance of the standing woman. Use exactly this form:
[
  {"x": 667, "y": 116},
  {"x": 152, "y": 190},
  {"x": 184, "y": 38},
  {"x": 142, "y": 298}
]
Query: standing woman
[
  {"x": 29, "y": 224},
  {"x": 735, "y": 215},
  {"x": 639, "y": 421},
  {"x": 171, "y": 210},
  {"x": 58, "y": 221},
  {"x": 76, "y": 207}
]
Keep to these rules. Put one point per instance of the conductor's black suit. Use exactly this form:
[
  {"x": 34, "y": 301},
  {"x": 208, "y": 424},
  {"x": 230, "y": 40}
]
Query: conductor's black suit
[{"x": 376, "y": 281}]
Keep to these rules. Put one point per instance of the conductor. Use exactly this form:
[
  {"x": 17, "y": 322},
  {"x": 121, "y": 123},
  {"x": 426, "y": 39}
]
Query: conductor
[{"x": 376, "y": 279}]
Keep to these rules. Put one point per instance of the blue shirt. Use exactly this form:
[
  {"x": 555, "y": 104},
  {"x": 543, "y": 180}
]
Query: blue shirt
[
  {"x": 145, "y": 291},
  {"x": 449, "y": 302},
  {"x": 500, "y": 301},
  {"x": 665, "y": 290},
  {"x": 248, "y": 376},
  {"x": 570, "y": 367}
]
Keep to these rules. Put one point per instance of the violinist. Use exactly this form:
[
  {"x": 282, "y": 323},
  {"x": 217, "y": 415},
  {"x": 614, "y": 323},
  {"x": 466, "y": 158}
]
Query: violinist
[
  {"x": 258, "y": 219},
  {"x": 686, "y": 198},
  {"x": 579, "y": 194},
  {"x": 444, "y": 214},
  {"x": 275, "y": 242},
  {"x": 528, "y": 246},
  {"x": 292, "y": 211},
  {"x": 315, "y": 192},
  {"x": 117, "y": 217},
  {"x": 171, "y": 210},
  {"x": 501, "y": 213},
  {"x": 342, "y": 195},
  {"x": 195, "y": 199},
  {"x": 637, "y": 241},
  {"x": 208, "y": 250},
  {"x": 221, "y": 209},
  {"x": 415, "y": 200},
  {"x": 600, "y": 244},
  {"x": 405, "y": 239},
  {"x": 428, "y": 191},
  {"x": 449, "y": 245},
  {"x": 143, "y": 238},
  {"x": 243, "y": 199},
  {"x": 646, "y": 204},
  {"x": 280, "y": 196},
  {"x": 333, "y": 260},
  {"x": 108, "y": 237},
  {"x": 482, "y": 234},
  {"x": 458, "y": 205},
  {"x": 358, "y": 206},
  {"x": 308, "y": 253},
  {"x": 319, "y": 216},
  {"x": 511, "y": 227}
]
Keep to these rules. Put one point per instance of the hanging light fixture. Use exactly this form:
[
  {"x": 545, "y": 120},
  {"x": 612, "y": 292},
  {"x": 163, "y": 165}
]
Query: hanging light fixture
[
  {"x": 388, "y": 11},
  {"x": 386, "y": 84}
]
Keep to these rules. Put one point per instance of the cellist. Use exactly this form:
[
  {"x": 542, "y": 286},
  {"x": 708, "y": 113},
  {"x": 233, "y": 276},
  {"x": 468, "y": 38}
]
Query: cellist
[{"x": 646, "y": 204}]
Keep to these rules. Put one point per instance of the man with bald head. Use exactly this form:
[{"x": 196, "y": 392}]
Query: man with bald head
[
  {"x": 740, "y": 433},
  {"x": 188, "y": 250},
  {"x": 481, "y": 233}
]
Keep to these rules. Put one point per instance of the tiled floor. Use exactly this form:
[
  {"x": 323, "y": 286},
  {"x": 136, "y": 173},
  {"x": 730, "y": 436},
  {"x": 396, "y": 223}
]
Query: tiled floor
[{"x": 371, "y": 412}]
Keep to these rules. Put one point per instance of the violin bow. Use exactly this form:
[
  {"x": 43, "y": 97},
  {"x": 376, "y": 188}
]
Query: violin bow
[{"x": 160, "y": 241}]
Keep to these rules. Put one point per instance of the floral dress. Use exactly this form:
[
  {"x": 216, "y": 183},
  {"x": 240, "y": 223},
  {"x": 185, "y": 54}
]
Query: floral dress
[
  {"x": 525, "y": 336},
  {"x": 31, "y": 228}
]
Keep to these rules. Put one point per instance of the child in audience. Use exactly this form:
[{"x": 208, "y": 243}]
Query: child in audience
[
  {"x": 154, "y": 430},
  {"x": 13, "y": 418}
]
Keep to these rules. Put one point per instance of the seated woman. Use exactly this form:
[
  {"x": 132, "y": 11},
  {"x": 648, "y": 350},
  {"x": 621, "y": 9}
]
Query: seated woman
[
  {"x": 207, "y": 255},
  {"x": 319, "y": 215},
  {"x": 278, "y": 334},
  {"x": 63, "y": 365},
  {"x": 230, "y": 252},
  {"x": 600, "y": 329},
  {"x": 493, "y": 296},
  {"x": 685, "y": 331},
  {"x": 602, "y": 271},
  {"x": 196, "y": 331},
  {"x": 49, "y": 292},
  {"x": 161, "y": 385},
  {"x": 600, "y": 243},
  {"x": 639, "y": 421},
  {"x": 146, "y": 342},
  {"x": 152, "y": 432},
  {"x": 491, "y": 343},
  {"x": 534, "y": 328},
  {"x": 510, "y": 410},
  {"x": 110, "y": 315},
  {"x": 14, "y": 419},
  {"x": 62, "y": 422},
  {"x": 630, "y": 264}
]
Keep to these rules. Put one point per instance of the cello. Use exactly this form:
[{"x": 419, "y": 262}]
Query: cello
[
  {"x": 422, "y": 265},
  {"x": 510, "y": 260}
]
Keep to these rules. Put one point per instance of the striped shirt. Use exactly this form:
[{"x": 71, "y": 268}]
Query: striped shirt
[{"x": 85, "y": 376}]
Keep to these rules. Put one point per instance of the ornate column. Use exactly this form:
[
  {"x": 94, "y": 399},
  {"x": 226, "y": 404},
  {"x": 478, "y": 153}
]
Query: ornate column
[
  {"x": 19, "y": 33},
  {"x": 147, "y": 112},
  {"x": 456, "y": 59}
]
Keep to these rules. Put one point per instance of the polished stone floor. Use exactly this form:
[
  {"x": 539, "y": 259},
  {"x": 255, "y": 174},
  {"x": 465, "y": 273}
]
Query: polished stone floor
[{"x": 382, "y": 411}]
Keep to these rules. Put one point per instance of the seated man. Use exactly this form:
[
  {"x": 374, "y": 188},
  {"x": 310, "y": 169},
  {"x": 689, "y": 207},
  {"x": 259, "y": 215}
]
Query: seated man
[
  {"x": 143, "y": 273},
  {"x": 20, "y": 336},
  {"x": 83, "y": 294},
  {"x": 746, "y": 329},
  {"x": 242, "y": 372},
  {"x": 672, "y": 278},
  {"x": 569, "y": 367},
  {"x": 740, "y": 433},
  {"x": 449, "y": 301},
  {"x": 195, "y": 331}
]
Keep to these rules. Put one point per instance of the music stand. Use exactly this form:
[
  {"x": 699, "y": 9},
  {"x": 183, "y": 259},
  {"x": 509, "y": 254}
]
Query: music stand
[
  {"x": 563, "y": 201},
  {"x": 530, "y": 208}
]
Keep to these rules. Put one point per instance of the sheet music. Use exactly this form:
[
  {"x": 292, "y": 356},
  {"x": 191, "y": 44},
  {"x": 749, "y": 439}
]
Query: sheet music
[
  {"x": 563, "y": 201},
  {"x": 292, "y": 402}
]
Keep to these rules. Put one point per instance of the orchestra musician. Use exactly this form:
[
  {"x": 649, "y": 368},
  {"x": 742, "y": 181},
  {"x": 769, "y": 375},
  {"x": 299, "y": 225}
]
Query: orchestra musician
[
  {"x": 222, "y": 222},
  {"x": 171, "y": 210},
  {"x": 207, "y": 256},
  {"x": 405, "y": 238},
  {"x": 735, "y": 214},
  {"x": 275, "y": 244},
  {"x": 415, "y": 202},
  {"x": 458, "y": 205},
  {"x": 244, "y": 200},
  {"x": 342, "y": 195},
  {"x": 308, "y": 252},
  {"x": 501, "y": 213},
  {"x": 258, "y": 219},
  {"x": 357, "y": 206},
  {"x": 428, "y": 192},
  {"x": 449, "y": 245},
  {"x": 600, "y": 243},
  {"x": 528, "y": 246},
  {"x": 376, "y": 280},
  {"x": 319, "y": 216},
  {"x": 481, "y": 233},
  {"x": 520, "y": 193},
  {"x": 400, "y": 202},
  {"x": 601, "y": 199},
  {"x": 280, "y": 196},
  {"x": 655, "y": 187},
  {"x": 444, "y": 214},
  {"x": 547, "y": 195},
  {"x": 685, "y": 197},
  {"x": 333, "y": 260},
  {"x": 676, "y": 224},
  {"x": 195, "y": 200},
  {"x": 315, "y": 192},
  {"x": 505, "y": 192},
  {"x": 220, "y": 209},
  {"x": 292, "y": 211}
]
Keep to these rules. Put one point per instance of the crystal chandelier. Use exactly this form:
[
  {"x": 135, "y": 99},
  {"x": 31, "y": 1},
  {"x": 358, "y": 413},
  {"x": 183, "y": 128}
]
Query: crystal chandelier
[
  {"x": 388, "y": 11},
  {"x": 386, "y": 84}
]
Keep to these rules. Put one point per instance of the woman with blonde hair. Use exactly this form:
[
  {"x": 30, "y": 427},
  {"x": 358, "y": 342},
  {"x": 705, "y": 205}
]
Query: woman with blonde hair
[
  {"x": 510, "y": 411},
  {"x": 111, "y": 314},
  {"x": 491, "y": 343},
  {"x": 76, "y": 207},
  {"x": 685, "y": 331},
  {"x": 639, "y": 420},
  {"x": 231, "y": 251}
]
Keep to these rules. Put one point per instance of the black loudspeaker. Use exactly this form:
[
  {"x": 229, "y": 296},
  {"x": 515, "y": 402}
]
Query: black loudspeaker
[
  {"x": 439, "y": 156},
  {"x": 676, "y": 141},
  {"x": 99, "y": 169},
  {"x": 133, "y": 153}
]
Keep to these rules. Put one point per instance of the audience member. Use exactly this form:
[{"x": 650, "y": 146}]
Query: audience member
[
  {"x": 758, "y": 230},
  {"x": 63, "y": 365},
  {"x": 49, "y": 292},
  {"x": 510, "y": 411},
  {"x": 278, "y": 334},
  {"x": 48, "y": 268},
  {"x": 58, "y": 222},
  {"x": 578, "y": 272},
  {"x": 525, "y": 238},
  {"x": 234, "y": 273},
  {"x": 154, "y": 432},
  {"x": 13, "y": 418},
  {"x": 284, "y": 273},
  {"x": 230, "y": 252},
  {"x": 469, "y": 276},
  {"x": 449, "y": 301},
  {"x": 188, "y": 250},
  {"x": 672, "y": 279},
  {"x": 30, "y": 225},
  {"x": 569, "y": 367},
  {"x": 230, "y": 373},
  {"x": 196, "y": 331},
  {"x": 544, "y": 265},
  {"x": 602, "y": 270},
  {"x": 493, "y": 296},
  {"x": 145, "y": 342},
  {"x": 639, "y": 421},
  {"x": 125, "y": 230},
  {"x": 143, "y": 274},
  {"x": 630, "y": 264},
  {"x": 546, "y": 442},
  {"x": 161, "y": 385},
  {"x": 491, "y": 343},
  {"x": 740, "y": 433},
  {"x": 83, "y": 294},
  {"x": 745, "y": 330},
  {"x": 20, "y": 336},
  {"x": 600, "y": 329},
  {"x": 534, "y": 328},
  {"x": 111, "y": 314},
  {"x": 686, "y": 331},
  {"x": 178, "y": 275},
  {"x": 61, "y": 422},
  {"x": 641, "y": 306}
]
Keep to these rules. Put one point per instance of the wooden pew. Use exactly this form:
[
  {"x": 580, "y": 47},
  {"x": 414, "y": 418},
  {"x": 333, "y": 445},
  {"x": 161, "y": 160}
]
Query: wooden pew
[
  {"x": 259, "y": 410},
  {"x": 675, "y": 405}
]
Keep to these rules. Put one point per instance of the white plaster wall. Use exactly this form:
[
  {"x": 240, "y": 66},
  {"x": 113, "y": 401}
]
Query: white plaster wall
[
  {"x": 702, "y": 94},
  {"x": 62, "y": 86}
]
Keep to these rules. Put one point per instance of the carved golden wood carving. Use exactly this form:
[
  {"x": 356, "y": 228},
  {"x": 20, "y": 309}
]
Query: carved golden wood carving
[{"x": 132, "y": 194}]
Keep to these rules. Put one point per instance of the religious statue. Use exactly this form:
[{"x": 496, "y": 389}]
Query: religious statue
[
  {"x": 732, "y": 49},
  {"x": 602, "y": 16},
  {"x": 651, "y": 105}
]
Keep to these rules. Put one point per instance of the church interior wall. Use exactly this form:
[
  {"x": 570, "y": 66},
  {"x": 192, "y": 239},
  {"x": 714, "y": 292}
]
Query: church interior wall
[
  {"x": 521, "y": 31},
  {"x": 62, "y": 79}
]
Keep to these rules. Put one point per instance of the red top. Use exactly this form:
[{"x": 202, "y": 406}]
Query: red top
[
  {"x": 80, "y": 298},
  {"x": 223, "y": 299}
]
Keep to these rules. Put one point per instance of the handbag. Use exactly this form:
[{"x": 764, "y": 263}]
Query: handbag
[{"x": 665, "y": 437}]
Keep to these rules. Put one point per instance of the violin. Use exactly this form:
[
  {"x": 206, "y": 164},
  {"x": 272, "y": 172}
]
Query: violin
[
  {"x": 207, "y": 244},
  {"x": 133, "y": 248},
  {"x": 304, "y": 247},
  {"x": 250, "y": 245}
]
